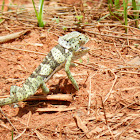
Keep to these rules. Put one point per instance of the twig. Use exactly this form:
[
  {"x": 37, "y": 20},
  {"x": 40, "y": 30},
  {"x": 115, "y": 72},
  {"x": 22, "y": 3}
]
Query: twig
[
  {"x": 99, "y": 5},
  {"x": 81, "y": 125},
  {"x": 123, "y": 109},
  {"x": 127, "y": 127},
  {"x": 107, "y": 96},
  {"x": 129, "y": 72},
  {"x": 89, "y": 98},
  {"x": 30, "y": 114},
  {"x": 91, "y": 32},
  {"x": 82, "y": 11},
  {"x": 40, "y": 136},
  {"x": 134, "y": 48},
  {"x": 129, "y": 88},
  {"x": 55, "y": 109},
  {"x": 85, "y": 65},
  {"x": 104, "y": 110},
  {"x": 119, "y": 52},
  {"x": 110, "y": 132},
  {"x": 106, "y": 118},
  {"x": 20, "y": 134},
  {"x": 23, "y": 50},
  {"x": 8, "y": 119},
  {"x": 115, "y": 126},
  {"x": 117, "y": 25}
]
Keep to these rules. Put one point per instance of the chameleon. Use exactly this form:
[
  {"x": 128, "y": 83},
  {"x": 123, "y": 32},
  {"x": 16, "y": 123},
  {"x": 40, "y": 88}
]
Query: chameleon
[{"x": 69, "y": 48}]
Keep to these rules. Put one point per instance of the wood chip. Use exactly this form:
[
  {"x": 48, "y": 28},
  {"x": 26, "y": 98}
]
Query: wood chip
[{"x": 9, "y": 37}]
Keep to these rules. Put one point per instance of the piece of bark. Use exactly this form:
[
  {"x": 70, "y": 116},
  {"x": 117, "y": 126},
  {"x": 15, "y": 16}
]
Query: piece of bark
[
  {"x": 59, "y": 97},
  {"x": 12, "y": 36}
]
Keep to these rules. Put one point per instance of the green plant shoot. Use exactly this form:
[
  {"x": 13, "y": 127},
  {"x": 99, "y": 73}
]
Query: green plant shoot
[{"x": 39, "y": 14}]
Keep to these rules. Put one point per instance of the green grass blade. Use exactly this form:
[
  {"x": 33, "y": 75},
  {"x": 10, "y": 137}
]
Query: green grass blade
[
  {"x": 35, "y": 8},
  {"x": 136, "y": 15},
  {"x": 117, "y": 4},
  {"x": 12, "y": 135},
  {"x": 125, "y": 4},
  {"x": 40, "y": 16},
  {"x": 2, "y": 8},
  {"x": 3, "y": 3},
  {"x": 110, "y": 2}
]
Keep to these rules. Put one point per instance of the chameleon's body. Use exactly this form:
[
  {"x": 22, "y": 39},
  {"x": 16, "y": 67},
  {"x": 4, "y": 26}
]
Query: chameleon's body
[{"x": 68, "y": 49}]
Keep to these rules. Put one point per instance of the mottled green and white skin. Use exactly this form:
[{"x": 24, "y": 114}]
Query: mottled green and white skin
[{"x": 70, "y": 47}]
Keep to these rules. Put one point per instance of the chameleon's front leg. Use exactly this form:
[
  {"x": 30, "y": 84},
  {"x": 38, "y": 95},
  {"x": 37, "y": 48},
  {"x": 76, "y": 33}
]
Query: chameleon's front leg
[{"x": 67, "y": 65}]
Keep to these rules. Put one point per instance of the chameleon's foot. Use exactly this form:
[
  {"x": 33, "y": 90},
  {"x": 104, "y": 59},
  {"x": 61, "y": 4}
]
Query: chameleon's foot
[
  {"x": 73, "y": 65},
  {"x": 44, "y": 88},
  {"x": 15, "y": 105}
]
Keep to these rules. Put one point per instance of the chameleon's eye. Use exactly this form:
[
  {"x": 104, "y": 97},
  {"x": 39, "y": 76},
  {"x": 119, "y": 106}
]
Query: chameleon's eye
[{"x": 80, "y": 38}]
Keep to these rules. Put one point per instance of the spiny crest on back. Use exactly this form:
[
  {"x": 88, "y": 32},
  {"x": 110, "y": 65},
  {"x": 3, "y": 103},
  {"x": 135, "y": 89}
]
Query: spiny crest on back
[{"x": 73, "y": 40}]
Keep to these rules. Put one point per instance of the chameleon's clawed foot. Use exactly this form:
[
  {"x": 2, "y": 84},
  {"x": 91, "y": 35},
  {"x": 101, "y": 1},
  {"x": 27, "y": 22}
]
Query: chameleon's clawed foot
[
  {"x": 73, "y": 65},
  {"x": 44, "y": 88},
  {"x": 15, "y": 105}
]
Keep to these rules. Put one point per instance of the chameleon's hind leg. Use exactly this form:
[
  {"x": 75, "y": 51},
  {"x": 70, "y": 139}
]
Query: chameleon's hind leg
[
  {"x": 44, "y": 88},
  {"x": 67, "y": 65}
]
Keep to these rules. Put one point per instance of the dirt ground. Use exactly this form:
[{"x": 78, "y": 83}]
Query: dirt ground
[{"x": 107, "y": 106}]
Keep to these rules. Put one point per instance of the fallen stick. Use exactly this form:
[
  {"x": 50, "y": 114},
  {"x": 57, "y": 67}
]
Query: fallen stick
[
  {"x": 12, "y": 36},
  {"x": 59, "y": 97}
]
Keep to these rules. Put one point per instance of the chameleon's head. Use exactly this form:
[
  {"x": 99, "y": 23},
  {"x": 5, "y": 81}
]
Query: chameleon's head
[
  {"x": 80, "y": 52},
  {"x": 73, "y": 40}
]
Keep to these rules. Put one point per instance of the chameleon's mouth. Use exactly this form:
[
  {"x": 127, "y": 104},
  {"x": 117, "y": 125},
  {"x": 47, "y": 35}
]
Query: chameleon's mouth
[
  {"x": 83, "y": 49},
  {"x": 80, "y": 52}
]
